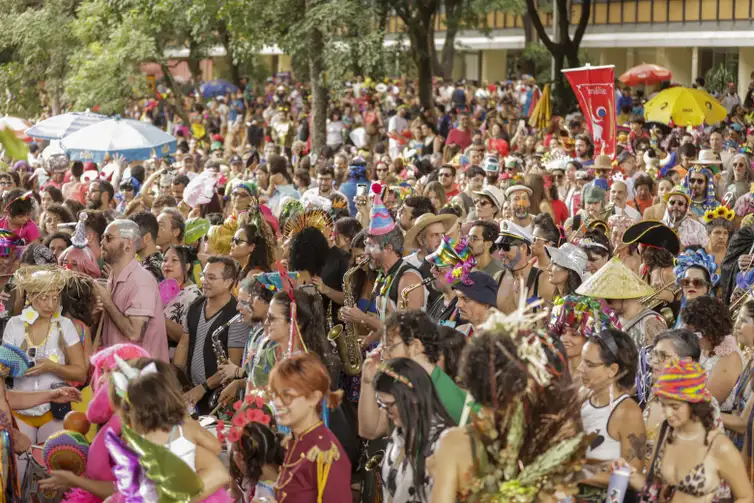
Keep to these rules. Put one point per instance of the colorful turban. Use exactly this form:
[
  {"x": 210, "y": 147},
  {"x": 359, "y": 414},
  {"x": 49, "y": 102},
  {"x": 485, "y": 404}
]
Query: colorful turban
[
  {"x": 683, "y": 380},
  {"x": 9, "y": 242},
  {"x": 696, "y": 258},
  {"x": 588, "y": 316}
]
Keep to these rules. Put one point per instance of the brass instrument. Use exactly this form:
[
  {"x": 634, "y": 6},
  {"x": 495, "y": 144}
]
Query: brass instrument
[
  {"x": 735, "y": 307},
  {"x": 348, "y": 344},
  {"x": 653, "y": 302},
  {"x": 403, "y": 300},
  {"x": 220, "y": 355}
]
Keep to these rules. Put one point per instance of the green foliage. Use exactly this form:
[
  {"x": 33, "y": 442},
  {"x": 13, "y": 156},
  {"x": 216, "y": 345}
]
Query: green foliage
[{"x": 716, "y": 79}]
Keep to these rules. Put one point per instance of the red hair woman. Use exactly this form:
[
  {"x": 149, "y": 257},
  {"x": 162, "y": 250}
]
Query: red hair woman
[{"x": 316, "y": 468}]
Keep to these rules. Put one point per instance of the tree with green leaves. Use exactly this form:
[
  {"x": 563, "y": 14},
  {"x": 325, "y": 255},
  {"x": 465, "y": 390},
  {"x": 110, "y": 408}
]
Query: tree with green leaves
[{"x": 34, "y": 49}]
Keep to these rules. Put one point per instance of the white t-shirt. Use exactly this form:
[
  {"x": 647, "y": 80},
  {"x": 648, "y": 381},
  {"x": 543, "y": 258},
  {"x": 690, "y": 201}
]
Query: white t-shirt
[{"x": 63, "y": 332}]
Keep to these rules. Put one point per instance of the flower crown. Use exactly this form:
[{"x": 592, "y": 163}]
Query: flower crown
[
  {"x": 250, "y": 410},
  {"x": 385, "y": 369},
  {"x": 721, "y": 211}
]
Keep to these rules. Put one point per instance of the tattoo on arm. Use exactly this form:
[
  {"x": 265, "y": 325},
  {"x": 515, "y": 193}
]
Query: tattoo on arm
[{"x": 637, "y": 448}]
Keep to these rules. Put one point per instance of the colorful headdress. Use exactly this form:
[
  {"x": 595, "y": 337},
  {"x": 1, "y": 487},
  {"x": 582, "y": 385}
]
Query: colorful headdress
[
  {"x": 449, "y": 253},
  {"x": 272, "y": 280},
  {"x": 313, "y": 217},
  {"x": 384, "y": 368},
  {"x": 104, "y": 359},
  {"x": 79, "y": 233},
  {"x": 683, "y": 380},
  {"x": 21, "y": 197},
  {"x": 250, "y": 410},
  {"x": 248, "y": 186},
  {"x": 42, "y": 279},
  {"x": 290, "y": 208},
  {"x": 710, "y": 198},
  {"x": 380, "y": 222},
  {"x": 721, "y": 212},
  {"x": 219, "y": 236},
  {"x": 9, "y": 242},
  {"x": 66, "y": 450},
  {"x": 13, "y": 361},
  {"x": 588, "y": 316},
  {"x": 696, "y": 258}
]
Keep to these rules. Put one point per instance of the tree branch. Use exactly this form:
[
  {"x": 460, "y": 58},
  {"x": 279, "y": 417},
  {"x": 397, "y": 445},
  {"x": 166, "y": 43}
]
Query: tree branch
[
  {"x": 564, "y": 21},
  {"x": 586, "y": 7},
  {"x": 539, "y": 27}
]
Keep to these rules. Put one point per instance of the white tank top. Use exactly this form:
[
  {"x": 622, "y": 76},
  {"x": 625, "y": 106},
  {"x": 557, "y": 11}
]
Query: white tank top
[
  {"x": 183, "y": 448},
  {"x": 595, "y": 419}
]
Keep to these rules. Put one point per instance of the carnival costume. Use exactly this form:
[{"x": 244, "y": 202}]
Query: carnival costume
[
  {"x": 13, "y": 363},
  {"x": 710, "y": 201}
]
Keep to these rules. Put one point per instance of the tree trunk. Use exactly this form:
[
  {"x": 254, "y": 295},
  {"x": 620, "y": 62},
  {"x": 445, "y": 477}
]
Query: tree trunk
[
  {"x": 421, "y": 42},
  {"x": 318, "y": 126},
  {"x": 449, "y": 50},
  {"x": 195, "y": 61},
  {"x": 235, "y": 72},
  {"x": 177, "y": 93}
]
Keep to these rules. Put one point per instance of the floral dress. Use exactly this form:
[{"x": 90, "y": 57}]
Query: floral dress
[{"x": 176, "y": 309}]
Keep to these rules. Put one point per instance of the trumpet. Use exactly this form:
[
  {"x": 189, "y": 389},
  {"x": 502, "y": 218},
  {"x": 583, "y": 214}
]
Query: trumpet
[
  {"x": 653, "y": 302},
  {"x": 403, "y": 301}
]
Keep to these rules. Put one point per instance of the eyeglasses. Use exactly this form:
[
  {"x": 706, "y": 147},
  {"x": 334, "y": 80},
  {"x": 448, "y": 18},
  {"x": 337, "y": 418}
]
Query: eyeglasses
[
  {"x": 445, "y": 175},
  {"x": 106, "y": 238},
  {"x": 693, "y": 282},
  {"x": 284, "y": 396},
  {"x": 697, "y": 181},
  {"x": 656, "y": 356},
  {"x": 384, "y": 405},
  {"x": 558, "y": 177},
  {"x": 237, "y": 241},
  {"x": 676, "y": 203}
]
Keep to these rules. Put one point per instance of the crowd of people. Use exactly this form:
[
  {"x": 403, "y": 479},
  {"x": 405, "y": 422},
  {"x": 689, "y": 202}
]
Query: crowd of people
[{"x": 440, "y": 305}]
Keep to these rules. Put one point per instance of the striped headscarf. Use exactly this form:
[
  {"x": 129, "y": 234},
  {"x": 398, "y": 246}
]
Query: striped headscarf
[{"x": 683, "y": 380}]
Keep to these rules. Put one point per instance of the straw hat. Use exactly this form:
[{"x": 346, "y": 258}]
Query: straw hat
[
  {"x": 677, "y": 191},
  {"x": 653, "y": 233},
  {"x": 603, "y": 162},
  {"x": 615, "y": 281},
  {"x": 42, "y": 279},
  {"x": 424, "y": 221}
]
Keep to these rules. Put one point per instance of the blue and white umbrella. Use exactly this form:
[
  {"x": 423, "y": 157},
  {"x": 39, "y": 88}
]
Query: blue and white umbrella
[
  {"x": 62, "y": 125},
  {"x": 132, "y": 139},
  {"x": 217, "y": 88}
]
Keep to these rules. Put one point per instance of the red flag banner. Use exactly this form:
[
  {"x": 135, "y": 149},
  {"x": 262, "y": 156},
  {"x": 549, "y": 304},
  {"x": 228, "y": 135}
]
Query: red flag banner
[{"x": 594, "y": 87}]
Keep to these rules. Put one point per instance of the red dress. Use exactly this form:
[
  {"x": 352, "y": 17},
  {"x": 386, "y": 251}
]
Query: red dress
[
  {"x": 316, "y": 469},
  {"x": 560, "y": 210}
]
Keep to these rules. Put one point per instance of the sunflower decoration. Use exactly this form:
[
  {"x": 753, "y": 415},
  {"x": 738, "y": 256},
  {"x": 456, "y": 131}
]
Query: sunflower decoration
[{"x": 721, "y": 212}]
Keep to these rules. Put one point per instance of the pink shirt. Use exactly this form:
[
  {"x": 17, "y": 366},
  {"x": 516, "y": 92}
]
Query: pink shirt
[
  {"x": 135, "y": 293},
  {"x": 29, "y": 232}
]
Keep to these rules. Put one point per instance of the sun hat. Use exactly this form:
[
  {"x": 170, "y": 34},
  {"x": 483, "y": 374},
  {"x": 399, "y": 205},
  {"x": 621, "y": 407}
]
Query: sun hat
[
  {"x": 517, "y": 188},
  {"x": 603, "y": 162},
  {"x": 683, "y": 380},
  {"x": 707, "y": 157},
  {"x": 677, "y": 191},
  {"x": 424, "y": 221},
  {"x": 615, "y": 281},
  {"x": 571, "y": 257},
  {"x": 496, "y": 195},
  {"x": 479, "y": 286}
]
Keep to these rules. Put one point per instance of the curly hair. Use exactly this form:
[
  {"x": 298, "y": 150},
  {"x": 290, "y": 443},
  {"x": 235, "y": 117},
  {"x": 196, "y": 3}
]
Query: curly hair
[
  {"x": 705, "y": 414},
  {"x": 14, "y": 206},
  {"x": 308, "y": 251},
  {"x": 709, "y": 316},
  {"x": 657, "y": 258},
  {"x": 490, "y": 355},
  {"x": 720, "y": 222},
  {"x": 417, "y": 325},
  {"x": 259, "y": 445},
  {"x": 77, "y": 300},
  {"x": 60, "y": 211}
]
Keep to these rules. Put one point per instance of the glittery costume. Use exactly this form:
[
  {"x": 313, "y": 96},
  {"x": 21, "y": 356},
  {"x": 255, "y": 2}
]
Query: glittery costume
[{"x": 710, "y": 200}]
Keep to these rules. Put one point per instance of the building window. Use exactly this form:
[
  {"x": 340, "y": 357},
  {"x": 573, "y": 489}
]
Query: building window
[{"x": 713, "y": 57}]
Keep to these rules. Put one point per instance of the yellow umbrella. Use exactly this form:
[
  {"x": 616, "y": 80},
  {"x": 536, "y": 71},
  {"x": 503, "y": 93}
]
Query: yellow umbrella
[
  {"x": 684, "y": 106},
  {"x": 542, "y": 113}
]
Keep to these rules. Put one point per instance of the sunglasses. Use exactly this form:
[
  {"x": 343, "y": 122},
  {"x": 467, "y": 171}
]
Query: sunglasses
[
  {"x": 482, "y": 203},
  {"x": 236, "y": 241},
  {"x": 697, "y": 181},
  {"x": 676, "y": 203},
  {"x": 693, "y": 283}
]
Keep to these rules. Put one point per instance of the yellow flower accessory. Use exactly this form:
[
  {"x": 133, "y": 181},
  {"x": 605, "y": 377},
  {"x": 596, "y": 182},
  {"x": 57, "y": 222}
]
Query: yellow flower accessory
[
  {"x": 721, "y": 211},
  {"x": 29, "y": 315}
]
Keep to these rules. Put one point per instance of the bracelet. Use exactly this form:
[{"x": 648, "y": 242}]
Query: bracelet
[{"x": 206, "y": 387}]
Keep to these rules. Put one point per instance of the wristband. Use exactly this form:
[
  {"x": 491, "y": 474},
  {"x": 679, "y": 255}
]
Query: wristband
[{"x": 206, "y": 387}]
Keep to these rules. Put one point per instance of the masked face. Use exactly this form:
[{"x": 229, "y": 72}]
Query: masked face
[{"x": 521, "y": 204}]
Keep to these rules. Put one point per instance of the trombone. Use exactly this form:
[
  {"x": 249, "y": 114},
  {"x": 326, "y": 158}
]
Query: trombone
[{"x": 653, "y": 301}]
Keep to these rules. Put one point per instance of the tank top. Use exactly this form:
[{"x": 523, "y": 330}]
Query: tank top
[
  {"x": 182, "y": 447},
  {"x": 596, "y": 420}
]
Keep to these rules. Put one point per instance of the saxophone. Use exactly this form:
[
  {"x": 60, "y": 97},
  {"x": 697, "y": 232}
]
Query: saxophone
[
  {"x": 348, "y": 344},
  {"x": 220, "y": 355},
  {"x": 403, "y": 301}
]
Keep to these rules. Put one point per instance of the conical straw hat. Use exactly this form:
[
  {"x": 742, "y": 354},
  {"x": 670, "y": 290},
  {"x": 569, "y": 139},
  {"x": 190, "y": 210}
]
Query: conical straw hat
[{"x": 615, "y": 281}]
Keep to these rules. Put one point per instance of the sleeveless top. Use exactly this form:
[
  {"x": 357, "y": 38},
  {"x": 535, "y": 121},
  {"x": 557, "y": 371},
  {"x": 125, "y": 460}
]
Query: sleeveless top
[
  {"x": 709, "y": 362},
  {"x": 182, "y": 447},
  {"x": 596, "y": 420}
]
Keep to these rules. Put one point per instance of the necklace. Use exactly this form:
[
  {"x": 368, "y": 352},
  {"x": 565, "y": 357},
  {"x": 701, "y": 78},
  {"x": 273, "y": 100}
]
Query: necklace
[{"x": 692, "y": 437}]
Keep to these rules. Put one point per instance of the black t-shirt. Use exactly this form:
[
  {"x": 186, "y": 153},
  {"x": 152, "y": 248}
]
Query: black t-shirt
[{"x": 338, "y": 262}]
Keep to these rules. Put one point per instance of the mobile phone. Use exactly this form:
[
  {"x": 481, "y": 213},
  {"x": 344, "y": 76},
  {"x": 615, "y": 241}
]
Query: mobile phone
[{"x": 361, "y": 189}]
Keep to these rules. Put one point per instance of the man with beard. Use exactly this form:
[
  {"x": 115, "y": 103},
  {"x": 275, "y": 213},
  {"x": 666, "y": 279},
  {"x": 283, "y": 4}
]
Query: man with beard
[
  {"x": 131, "y": 300},
  {"x": 384, "y": 245},
  {"x": 515, "y": 252},
  {"x": 425, "y": 237},
  {"x": 699, "y": 183},
  {"x": 412, "y": 208},
  {"x": 519, "y": 198},
  {"x": 150, "y": 255},
  {"x": 213, "y": 311},
  {"x": 448, "y": 255},
  {"x": 325, "y": 187},
  {"x": 481, "y": 239},
  {"x": 99, "y": 196},
  {"x": 690, "y": 231},
  {"x": 618, "y": 198},
  {"x": 253, "y": 303},
  {"x": 593, "y": 209},
  {"x": 583, "y": 150}
]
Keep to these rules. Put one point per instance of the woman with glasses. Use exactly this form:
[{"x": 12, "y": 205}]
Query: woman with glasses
[
  {"x": 720, "y": 228},
  {"x": 696, "y": 275},
  {"x": 417, "y": 419},
  {"x": 710, "y": 320},
  {"x": 252, "y": 248},
  {"x": 128, "y": 190},
  {"x": 177, "y": 262},
  {"x": 316, "y": 467},
  {"x": 608, "y": 371},
  {"x": 738, "y": 178}
]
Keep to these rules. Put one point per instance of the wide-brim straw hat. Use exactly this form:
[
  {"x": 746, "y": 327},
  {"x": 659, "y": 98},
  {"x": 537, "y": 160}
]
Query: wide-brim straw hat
[
  {"x": 615, "y": 281},
  {"x": 42, "y": 279},
  {"x": 424, "y": 221},
  {"x": 653, "y": 233}
]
